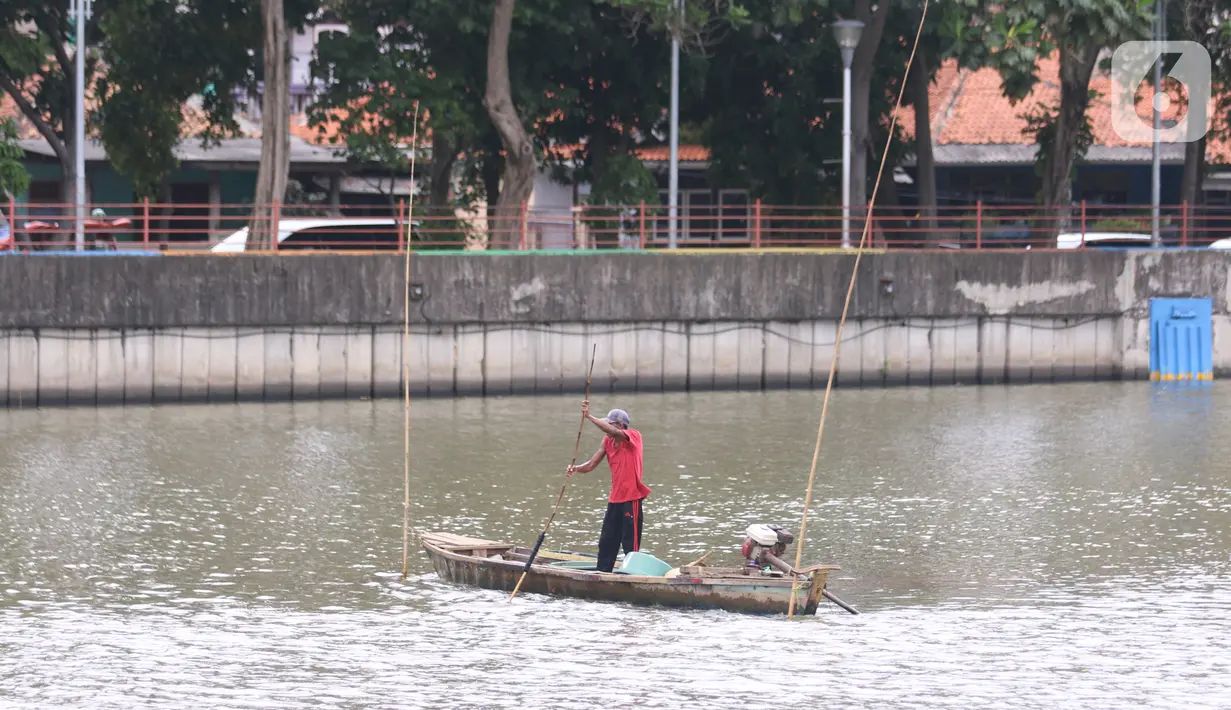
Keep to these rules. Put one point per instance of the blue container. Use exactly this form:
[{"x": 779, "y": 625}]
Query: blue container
[{"x": 1181, "y": 339}]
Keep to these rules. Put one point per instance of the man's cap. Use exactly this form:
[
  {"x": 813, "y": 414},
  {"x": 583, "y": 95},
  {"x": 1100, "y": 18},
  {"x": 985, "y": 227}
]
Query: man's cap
[{"x": 617, "y": 416}]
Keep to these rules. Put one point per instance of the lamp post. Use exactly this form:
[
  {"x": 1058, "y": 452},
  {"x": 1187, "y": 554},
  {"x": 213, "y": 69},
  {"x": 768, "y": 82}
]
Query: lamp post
[
  {"x": 673, "y": 170},
  {"x": 1160, "y": 35},
  {"x": 82, "y": 11},
  {"x": 847, "y": 33}
]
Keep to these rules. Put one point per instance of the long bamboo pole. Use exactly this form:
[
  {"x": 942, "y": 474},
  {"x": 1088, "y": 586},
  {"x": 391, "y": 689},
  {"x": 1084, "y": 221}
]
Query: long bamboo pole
[
  {"x": 576, "y": 448},
  {"x": 414, "y": 145},
  {"x": 833, "y": 365}
]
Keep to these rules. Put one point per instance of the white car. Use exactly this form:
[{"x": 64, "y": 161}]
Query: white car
[
  {"x": 1103, "y": 240},
  {"x": 1222, "y": 244},
  {"x": 355, "y": 234}
]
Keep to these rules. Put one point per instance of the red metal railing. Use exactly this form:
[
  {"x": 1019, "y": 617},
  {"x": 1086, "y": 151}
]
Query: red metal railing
[{"x": 38, "y": 227}]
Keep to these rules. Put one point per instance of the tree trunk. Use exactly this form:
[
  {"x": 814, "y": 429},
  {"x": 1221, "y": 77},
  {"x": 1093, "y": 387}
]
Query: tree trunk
[
  {"x": 519, "y": 164},
  {"x": 1076, "y": 66},
  {"x": 1190, "y": 187},
  {"x": 275, "y": 129},
  {"x": 861, "y": 88},
  {"x": 887, "y": 217},
  {"x": 444, "y": 157},
  {"x": 925, "y": 165},
  {"x": 161, "y": 214}
]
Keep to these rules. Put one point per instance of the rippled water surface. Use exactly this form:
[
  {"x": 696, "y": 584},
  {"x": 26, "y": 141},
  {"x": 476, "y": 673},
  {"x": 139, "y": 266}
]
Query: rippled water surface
[{"x": 1065, "y": 546}]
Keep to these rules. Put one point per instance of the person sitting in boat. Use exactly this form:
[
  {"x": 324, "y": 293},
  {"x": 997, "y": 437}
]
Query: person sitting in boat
[{"x": 624, "y": 520}]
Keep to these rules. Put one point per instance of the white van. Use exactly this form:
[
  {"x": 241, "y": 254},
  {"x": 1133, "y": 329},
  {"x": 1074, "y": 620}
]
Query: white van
[{"x": 312, "y": 233}]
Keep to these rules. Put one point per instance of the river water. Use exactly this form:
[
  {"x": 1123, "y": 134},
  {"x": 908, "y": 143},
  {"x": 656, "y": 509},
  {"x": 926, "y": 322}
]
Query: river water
[{"x": 1053, "y": 546}]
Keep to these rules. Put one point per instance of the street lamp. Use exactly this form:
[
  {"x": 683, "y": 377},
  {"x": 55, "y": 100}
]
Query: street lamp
[
  {"x": 847, "y": 33},
  {"x": 1159, "y": 33},
  {"x": 673, "y": 168},
  {"x": 81, "y": 10}
]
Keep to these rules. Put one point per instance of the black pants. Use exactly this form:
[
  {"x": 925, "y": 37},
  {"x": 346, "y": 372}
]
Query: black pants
[{"x": 621, "y": 527}]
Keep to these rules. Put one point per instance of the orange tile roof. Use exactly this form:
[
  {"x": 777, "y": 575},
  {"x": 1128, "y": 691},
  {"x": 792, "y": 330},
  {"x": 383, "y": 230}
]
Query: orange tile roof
[
  {"x": 662, "y": 153},
  {"x": 329, "y": 132},
  {"x": 969, "y": 108},
  {"x": 689, "y": 153}
]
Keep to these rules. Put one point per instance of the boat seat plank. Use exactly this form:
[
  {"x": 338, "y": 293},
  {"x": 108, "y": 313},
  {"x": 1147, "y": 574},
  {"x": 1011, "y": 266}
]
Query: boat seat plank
[
  {"x": 546, "y": 555},
  {"x": 564, "y": 556},
  {"x": 462, "y": 548},
  {"x": 461, "y": 541}
]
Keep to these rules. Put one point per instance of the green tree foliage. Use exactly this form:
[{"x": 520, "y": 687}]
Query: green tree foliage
[
  {"x": 764, "y": 108},
  {"x": 1207, "y": 22},
  {"x": 431, "y": 51},
  {"x": 159, "y": 54},
  {"x": 37, "y": 70},
  {"x": 615, "y": 82},
  {"x": 13, "y": 176},
  {"x": 700, "y": 25},
  {"x": 1011, "y": 37},
  {"x": 582, "y": 77}
]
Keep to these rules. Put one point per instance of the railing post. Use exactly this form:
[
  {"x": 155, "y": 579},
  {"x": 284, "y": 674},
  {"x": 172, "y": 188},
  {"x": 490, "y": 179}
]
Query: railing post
[
  {"x": 1083, "y": 224},
  {"x": 145, "y": 222},
  {"x": 979, "y": 225},
  {"x": 276, "y": 214},
  {"x": 641, "y": 217},
  {"x": 756, "y": 225},
  {"x": 1184, "y": 223},
  {"x": 402, "y": 226},
  {"x": 525, "y": 214}
]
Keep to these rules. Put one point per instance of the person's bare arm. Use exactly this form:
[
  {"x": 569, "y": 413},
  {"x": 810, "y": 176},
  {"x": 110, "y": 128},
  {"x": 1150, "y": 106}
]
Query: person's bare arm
[
  {"x": 608, "y": 429},
  {"x": 588, "y": 466}
]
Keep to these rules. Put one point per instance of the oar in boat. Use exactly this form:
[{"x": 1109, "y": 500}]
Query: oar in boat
[
  {"x": 833, "y": 598},
  {"x": 576, "y": 447}
]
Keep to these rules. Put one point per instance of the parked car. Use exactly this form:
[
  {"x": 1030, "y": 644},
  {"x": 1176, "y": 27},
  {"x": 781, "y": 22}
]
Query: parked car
[
  {"x": 312, "y": 233},
  {"x": 1103, "y": 240},
  {"x": 1222, "y": 244}
]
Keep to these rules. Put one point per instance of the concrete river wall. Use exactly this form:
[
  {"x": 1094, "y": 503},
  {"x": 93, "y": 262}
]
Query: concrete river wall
[{"x": 113, "y": 329}]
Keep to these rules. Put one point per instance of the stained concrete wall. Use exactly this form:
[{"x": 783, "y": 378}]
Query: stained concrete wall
[
  {"x": 142, "y": 329},
  {"x": 333, "y": 289},
  {"x": 100, "y": 366}
]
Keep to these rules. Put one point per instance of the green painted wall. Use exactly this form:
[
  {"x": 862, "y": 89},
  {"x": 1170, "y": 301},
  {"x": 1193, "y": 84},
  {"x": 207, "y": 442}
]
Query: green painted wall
[
  {"x": 110, "y": 190},
  {"x": 239, "y": 189},
  {"x": 115, "y": 191}
]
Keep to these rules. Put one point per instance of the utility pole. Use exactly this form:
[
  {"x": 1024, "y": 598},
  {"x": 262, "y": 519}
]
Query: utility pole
[
  {"x": 1160, "y": 35},
  {"x": 673, "y": 171},
  {"x": 82, "y": 10}
]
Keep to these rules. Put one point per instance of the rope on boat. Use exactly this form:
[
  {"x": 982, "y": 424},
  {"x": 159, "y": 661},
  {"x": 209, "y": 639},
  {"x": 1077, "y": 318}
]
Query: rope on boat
[
  {"x": 833, "y": 365},
  {"x": 414, "y": 144}
]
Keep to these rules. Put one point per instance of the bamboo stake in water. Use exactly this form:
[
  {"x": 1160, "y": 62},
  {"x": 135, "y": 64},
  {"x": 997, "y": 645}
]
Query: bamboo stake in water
[
  {"x": 833, "y": 365},
  {"x": 414, "y": 145},
  {"x": 576, "y": 448}
]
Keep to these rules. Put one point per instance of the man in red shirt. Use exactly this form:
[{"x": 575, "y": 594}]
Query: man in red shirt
[{"x": 624, "y": 520}]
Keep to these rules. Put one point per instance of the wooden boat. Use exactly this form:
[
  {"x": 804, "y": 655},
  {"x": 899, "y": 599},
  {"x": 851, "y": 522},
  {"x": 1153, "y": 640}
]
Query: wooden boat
[{"x": 499, "y": 565}]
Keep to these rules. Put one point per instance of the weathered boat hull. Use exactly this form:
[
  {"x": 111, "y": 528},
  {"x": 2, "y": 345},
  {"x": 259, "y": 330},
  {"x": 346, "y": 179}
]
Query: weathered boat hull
[{"x": 472, "y": 563}]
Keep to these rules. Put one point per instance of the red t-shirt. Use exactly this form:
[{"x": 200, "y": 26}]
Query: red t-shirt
[{"x": 624, "y": 457}]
